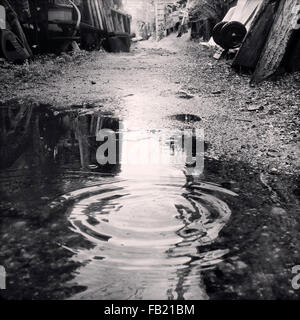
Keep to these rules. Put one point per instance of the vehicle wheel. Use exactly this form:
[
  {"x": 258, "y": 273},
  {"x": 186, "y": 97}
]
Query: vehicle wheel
[
  {"x": 217, "y": 33},
  {"x": 12, "y": 48},
  {"x": 233, "y": 34}
]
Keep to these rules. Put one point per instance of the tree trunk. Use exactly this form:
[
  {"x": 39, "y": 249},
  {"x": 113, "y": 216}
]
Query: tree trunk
[{"x": 278, "y": 40}]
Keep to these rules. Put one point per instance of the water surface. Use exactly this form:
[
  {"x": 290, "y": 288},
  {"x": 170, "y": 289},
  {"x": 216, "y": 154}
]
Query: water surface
[{"x": 72, "y": 228}]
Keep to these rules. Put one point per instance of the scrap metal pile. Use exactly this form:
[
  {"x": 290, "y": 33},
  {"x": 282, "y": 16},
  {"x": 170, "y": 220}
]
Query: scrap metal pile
[
  {"x": 28, "y": 27},
  {"x": 263, "y": 35}
]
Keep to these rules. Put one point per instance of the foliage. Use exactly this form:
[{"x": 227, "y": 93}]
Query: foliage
[{"x": 212, "y": 9}]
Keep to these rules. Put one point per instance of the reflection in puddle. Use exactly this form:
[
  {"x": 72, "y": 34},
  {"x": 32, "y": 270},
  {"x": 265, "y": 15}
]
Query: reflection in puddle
[
  {"x": 128, "y": 230},
  {"x": 149, "y": 236},
  {"x": 146, "y": 225},
  {"x": 186, "y": 118}
]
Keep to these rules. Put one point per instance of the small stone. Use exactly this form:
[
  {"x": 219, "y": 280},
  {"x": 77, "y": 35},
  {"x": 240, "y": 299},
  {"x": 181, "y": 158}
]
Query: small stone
[
  {"x": 20, "y": 224},
  {"x": 241, "y": 265},
  {"x": 55, "y": 226},
  {"x": 184, "y": 95},
  {"x": 226, "y": 267},
  {"x": 274, "y": 171},
  {"x": 255, "y": 108},
  {"x": 271, "y": 155},
  {"x": 278, "y": 211},
  {"x": 273, "y": 150}
]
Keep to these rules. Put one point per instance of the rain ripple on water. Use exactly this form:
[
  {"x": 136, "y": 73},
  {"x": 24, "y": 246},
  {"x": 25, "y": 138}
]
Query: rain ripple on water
[{"x": 151, "y": 240}]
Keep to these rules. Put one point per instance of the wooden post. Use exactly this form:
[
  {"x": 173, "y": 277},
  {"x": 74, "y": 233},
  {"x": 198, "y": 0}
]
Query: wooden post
[
  {"x": 89, "y": 9},
  {"x": 185, "y": 18},
  {"x": 94, "y": 12},
  {"x": 102, "y": 12},
  {"x": 98, "y": 12},
  {"x": 106, "y": 9},
  {"x": 278, "y": 40},
  {"x": 115, "y": 20},
  {"x": 159, "y": 18}
]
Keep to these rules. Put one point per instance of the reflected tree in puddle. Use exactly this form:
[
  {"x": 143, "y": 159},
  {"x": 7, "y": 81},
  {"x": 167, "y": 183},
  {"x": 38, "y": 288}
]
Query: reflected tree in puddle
[
  {"x": 15, "y": 133},
  {"x": 86, "y": 129}
]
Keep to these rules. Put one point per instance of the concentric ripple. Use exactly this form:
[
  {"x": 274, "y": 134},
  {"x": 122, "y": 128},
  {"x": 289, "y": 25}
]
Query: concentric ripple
[{"x": 151, "y": 239}]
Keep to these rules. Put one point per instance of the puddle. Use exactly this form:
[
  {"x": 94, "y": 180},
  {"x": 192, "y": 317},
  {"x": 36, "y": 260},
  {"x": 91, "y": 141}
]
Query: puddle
[
  {"x": 186, "y": 118},
  {"x": 137, "y": 228}
]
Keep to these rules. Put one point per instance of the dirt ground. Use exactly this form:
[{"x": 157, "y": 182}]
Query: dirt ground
[{"x": 258, "y": 125}]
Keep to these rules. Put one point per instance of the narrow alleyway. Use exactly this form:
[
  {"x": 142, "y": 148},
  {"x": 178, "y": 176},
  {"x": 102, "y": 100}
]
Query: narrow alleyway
[
  {"x": 76, "y": 230},
  {"x": 158, "y": 80}
]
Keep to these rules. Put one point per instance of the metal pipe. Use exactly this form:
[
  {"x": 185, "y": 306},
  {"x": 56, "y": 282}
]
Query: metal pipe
[{"x": 78, "y": 15}]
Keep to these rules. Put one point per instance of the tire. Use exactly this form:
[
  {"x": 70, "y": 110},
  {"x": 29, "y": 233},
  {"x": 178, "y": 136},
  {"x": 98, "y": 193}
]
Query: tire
[
  {"x": 233, "y": 34},
  {"x": 1, "y": 53},
  {"x": 12, "y": 48},
  {"x": 217, "y": 33}
]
